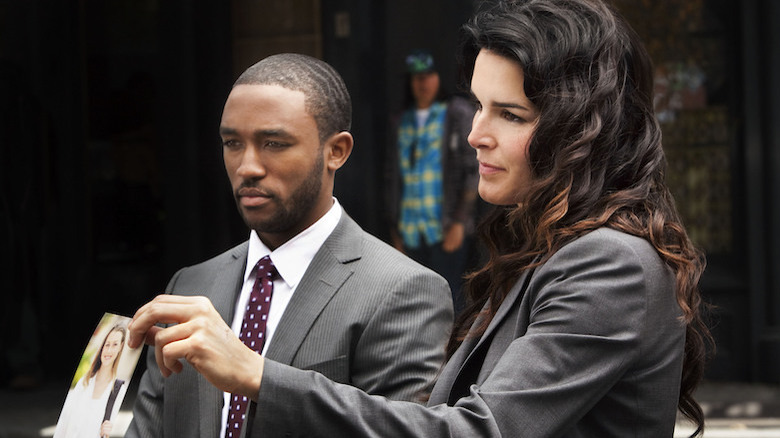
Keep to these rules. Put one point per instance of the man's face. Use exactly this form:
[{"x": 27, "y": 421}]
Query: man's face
[
  {"x": 425, "y": 87},
  {"x": 274, "y": 160}
]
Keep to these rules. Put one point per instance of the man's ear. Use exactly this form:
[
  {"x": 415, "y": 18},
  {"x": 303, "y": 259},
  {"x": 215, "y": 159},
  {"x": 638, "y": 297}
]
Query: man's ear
[{"x": 338, "y": 148}]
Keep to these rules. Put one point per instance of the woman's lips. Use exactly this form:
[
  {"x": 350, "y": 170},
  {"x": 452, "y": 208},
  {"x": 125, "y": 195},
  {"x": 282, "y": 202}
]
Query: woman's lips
[{"x": 488, "y": 169}]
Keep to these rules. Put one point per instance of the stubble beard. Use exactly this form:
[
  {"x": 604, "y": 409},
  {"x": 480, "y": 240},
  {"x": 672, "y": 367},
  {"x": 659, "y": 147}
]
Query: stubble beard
[{"x": 290, "y": 214}]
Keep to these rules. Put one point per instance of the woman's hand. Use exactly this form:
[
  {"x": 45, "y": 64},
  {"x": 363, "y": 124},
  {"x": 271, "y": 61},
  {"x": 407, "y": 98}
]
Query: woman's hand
[{"x": 105, "y": 429}]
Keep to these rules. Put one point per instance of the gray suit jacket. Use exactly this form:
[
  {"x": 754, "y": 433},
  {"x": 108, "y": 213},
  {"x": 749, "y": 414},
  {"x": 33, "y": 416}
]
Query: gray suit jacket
[
  {"x": 363, "y": 314},
  {"x": 587, "y": 345}
]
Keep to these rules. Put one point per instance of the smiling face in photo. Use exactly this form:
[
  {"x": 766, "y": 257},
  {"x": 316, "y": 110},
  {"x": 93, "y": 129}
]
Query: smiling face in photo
[{"x": 112, "y": 347}]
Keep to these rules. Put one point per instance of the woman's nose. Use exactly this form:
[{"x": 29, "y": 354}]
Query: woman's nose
[{"x": 479, "y": 136}]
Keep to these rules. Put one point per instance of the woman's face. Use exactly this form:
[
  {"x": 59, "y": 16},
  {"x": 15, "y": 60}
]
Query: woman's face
[
  {"x": 502, "y": 129},
  {"x": 111, "y": 348}
]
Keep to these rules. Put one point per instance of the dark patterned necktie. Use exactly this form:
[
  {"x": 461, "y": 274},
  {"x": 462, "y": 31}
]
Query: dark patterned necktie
[{"x": 253, "y": 335}]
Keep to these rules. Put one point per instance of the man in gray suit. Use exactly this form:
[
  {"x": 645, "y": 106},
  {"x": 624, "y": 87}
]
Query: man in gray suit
[{"x": 343, "y": 303}]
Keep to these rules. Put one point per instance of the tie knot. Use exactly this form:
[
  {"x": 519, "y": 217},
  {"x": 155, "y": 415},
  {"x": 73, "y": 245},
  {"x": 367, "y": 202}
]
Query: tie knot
[{"x": 265, "y": 268}]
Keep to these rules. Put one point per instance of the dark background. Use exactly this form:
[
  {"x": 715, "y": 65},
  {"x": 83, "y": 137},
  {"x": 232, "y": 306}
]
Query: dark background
[{"x": 111, "y": 172}]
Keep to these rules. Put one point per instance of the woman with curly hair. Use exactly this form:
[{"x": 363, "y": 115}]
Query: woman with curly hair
[{"x": 585, "y": 321}]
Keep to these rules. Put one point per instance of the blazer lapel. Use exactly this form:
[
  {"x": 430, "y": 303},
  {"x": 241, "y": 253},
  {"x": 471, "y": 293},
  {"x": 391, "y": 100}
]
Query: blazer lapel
[
  {"x": 464, "y": 366},
  {"x": 228, "y": 282},
  {"x": 324, "y": 277},
  {"x": 444, "y": 383},
  {"x": 506, "y": 306},
  {"x": 223, "y": 293}
]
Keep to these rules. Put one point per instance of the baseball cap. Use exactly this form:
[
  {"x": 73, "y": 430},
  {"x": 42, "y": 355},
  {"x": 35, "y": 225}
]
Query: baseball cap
[{"x": 419, "y": 61}]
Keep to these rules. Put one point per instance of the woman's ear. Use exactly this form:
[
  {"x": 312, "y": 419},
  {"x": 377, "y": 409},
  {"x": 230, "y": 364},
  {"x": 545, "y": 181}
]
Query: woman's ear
[{"x": 338, "y": 148}]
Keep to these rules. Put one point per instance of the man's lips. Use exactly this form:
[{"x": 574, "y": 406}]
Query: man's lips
[{"x": 252, "y": 197}]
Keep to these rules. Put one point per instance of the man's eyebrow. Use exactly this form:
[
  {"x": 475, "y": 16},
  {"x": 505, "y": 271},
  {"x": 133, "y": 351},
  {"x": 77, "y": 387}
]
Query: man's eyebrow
[
  {"x": 260, "y": 133},
  {"x": 276, "y": 133},
  {"x": 223, "y": 130}
]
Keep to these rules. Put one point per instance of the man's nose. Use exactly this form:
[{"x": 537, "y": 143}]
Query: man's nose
[{"x": 251, "y": 165}]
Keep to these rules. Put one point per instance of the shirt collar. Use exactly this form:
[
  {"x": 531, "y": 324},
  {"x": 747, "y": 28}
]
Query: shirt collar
[{"x": 293, "y": 257}]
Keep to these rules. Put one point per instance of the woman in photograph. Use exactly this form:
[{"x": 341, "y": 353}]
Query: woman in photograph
[
  {"x": 90, "y": 405},
  {"x": 586, "y": 319}
]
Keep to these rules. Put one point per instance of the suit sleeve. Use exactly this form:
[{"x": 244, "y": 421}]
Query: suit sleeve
[
  {"x": 587, "y": 317},
  {"x": 403, "y": 345},
  {"x": 148, "y": 408},
  {"x": 589, "y": 328}
]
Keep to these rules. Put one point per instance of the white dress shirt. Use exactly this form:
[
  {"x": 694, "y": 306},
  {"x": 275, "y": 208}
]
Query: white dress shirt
[{"x": 291, "y": 261}]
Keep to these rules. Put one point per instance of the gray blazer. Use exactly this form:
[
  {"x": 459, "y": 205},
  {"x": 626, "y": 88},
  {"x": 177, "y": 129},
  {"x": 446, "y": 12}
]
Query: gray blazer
[
  {"x": 363, "y": 314},
  {"x": 587, "y": 345}
]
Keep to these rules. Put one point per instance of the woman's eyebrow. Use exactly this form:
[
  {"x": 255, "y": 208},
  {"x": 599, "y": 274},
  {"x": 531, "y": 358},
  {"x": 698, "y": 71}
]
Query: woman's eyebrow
[
  {"x": 501, "y": 104},
  {"x": 511, "y": 105}
]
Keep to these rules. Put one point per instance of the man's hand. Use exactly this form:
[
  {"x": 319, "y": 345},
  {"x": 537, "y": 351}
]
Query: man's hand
[
  {"x": 200, "y": 336},
  {"x": 453, "y": 237}
]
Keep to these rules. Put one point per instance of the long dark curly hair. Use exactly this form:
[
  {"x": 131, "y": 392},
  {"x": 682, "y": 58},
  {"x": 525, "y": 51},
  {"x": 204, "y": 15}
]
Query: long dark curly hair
[{"x": 596, "y": 158}]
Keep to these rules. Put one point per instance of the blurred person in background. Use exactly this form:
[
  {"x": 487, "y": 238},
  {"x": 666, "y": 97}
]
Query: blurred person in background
[{"x": 431, "y": 176}]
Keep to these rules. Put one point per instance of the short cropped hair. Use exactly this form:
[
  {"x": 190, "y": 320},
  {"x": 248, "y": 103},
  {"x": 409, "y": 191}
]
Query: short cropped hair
[{"x": 325, "y": 95}]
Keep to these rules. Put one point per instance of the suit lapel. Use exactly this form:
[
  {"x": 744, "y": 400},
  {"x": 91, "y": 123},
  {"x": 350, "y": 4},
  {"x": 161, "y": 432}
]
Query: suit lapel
[
  {"x": 325, "y": 275},
  {"x": 506, "y": 306},
  {"x": 223, "y": 293},
  {"x": 444, "y": 383},
  {"x": 226, "y": 287},
  {"x": 464, "y": 366}
]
